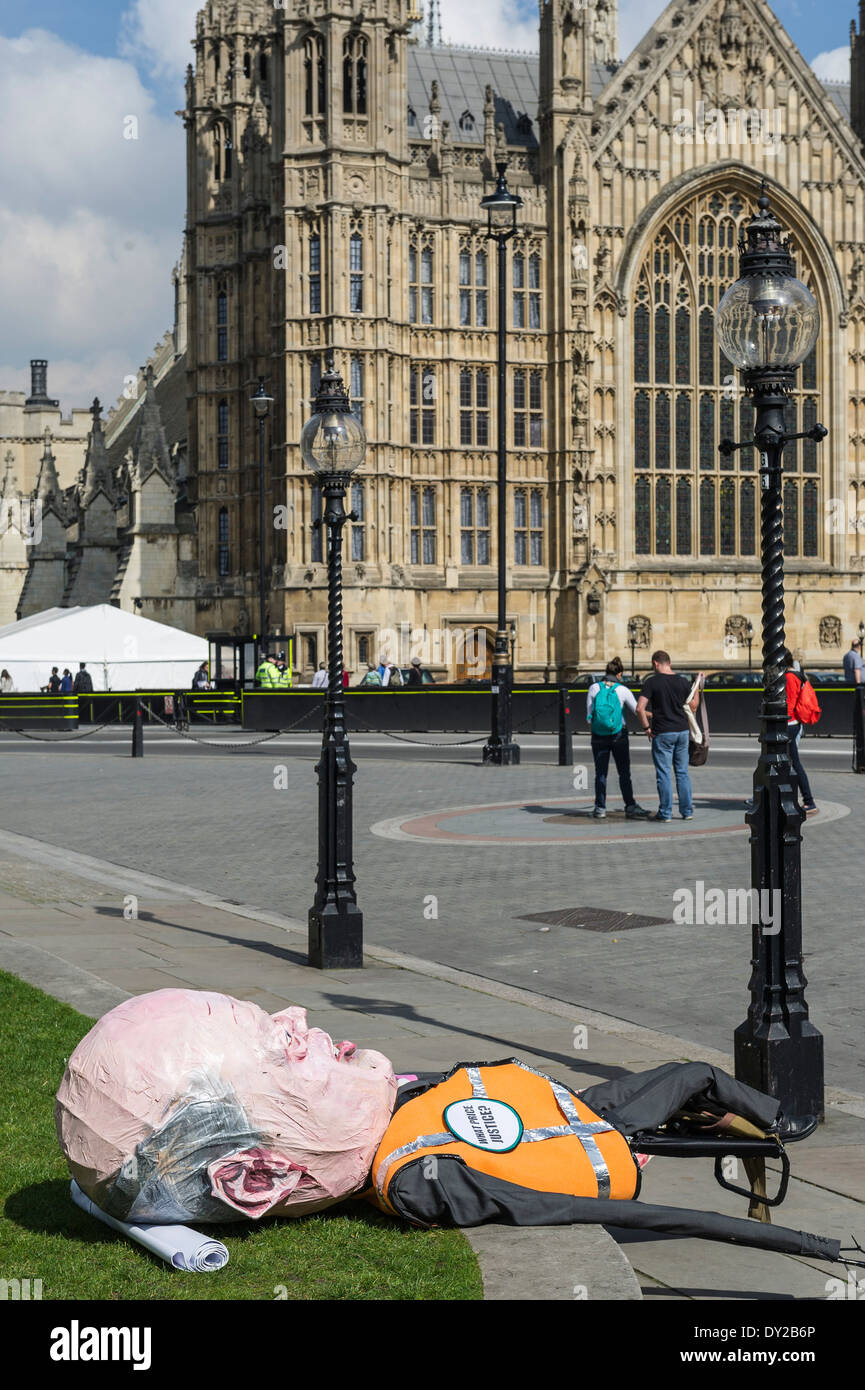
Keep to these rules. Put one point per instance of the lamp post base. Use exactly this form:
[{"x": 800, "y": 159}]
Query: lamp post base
[
  {"x": 788, "y": 1068},
  {"x": 336, "y": 936},
  {"x": 501, "y": 754}
]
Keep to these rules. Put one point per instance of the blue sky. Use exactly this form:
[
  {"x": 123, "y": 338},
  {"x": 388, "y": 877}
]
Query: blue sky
[{"x": 91, "y": 222}]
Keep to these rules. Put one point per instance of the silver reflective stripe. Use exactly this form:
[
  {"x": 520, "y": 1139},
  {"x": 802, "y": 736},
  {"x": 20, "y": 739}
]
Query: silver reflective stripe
[
  {"x": 479, "y": 1090},
  {"x": 584, "y": 1132},
  {"x": 424, "y": 1141}
]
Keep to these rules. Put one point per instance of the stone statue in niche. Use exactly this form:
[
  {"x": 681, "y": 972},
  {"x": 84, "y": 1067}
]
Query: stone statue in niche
[{"x": 830, "y": 632}]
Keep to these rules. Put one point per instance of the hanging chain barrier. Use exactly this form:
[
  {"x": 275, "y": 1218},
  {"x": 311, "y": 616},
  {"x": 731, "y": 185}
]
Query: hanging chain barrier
[
  {"x": 462, "y": 743},
  {"x": 266, "y": 738}
]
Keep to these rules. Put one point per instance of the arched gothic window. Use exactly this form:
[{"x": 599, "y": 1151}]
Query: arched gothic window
[
  {"x": 354, "y": 74},
  {"x": 689, "y": 501},
  {"x": 315, "y": 75},
  {"x": 221, "y": 151}
]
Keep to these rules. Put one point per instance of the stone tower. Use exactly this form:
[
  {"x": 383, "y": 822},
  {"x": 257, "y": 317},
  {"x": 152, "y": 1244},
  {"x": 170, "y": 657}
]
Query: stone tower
[{"x": 857, "y": 74}]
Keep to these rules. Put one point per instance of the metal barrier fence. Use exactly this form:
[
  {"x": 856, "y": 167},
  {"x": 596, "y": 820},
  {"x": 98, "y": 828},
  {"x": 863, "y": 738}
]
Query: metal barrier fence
[{"x": 535, "y": 709}]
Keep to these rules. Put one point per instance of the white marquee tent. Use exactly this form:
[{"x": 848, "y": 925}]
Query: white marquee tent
[{"x": 121, "y": 650}]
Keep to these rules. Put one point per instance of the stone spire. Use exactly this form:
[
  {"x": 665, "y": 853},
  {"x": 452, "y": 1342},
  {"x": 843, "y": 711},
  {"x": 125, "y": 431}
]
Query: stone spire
[
  {"x": 10, "y": 486},
  {"x": 150, "y": 450},
  {"x": 97, "y": 466},
  {"x": 48, "y": 492}
]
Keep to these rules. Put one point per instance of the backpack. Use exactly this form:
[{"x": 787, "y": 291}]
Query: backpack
[
  {"x": 807, "y": 709},
  {"x": 607, "y": 711}
]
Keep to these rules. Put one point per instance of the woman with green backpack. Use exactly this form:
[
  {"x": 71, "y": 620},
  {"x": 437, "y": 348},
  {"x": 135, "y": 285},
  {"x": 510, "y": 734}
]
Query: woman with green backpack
[{"x": 605, "y": 710}]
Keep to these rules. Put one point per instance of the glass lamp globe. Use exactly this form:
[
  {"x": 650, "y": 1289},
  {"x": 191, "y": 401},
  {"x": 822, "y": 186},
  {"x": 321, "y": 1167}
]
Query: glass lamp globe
[
  {"x": 501, "y": 206},
  {"x": 767, "y": 320},
  {"x": 333, "y": 442}
]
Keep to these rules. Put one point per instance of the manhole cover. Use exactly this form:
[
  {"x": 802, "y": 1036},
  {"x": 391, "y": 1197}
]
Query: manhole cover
[{"x": 594, "y": 919}]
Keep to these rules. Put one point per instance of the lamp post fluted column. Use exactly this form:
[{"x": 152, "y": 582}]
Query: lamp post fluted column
[
  {"x": 767, "y": 324},
  {"x": 500, "y": 749},
  {"x": 333, "y": 445}
]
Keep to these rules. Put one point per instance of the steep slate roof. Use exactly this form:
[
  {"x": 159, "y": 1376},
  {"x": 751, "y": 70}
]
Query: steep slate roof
[
  {"x": 464, "y": 73},
  {"x": 840, "y": 94}
]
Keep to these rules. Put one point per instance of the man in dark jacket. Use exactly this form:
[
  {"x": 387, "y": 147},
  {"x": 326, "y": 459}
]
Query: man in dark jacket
[{"x": 83, "y": 682}]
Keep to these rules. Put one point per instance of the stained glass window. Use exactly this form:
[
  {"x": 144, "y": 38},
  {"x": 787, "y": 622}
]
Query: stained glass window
[
  {"x": 683, "y": 516},
  {"x": 662, "y": 344},
  {"x": 746, "y": 431},
  {"x": 642, "y": 429},
  {"x": 747, "y": 535},
  {"x": 708, "y": 457},
  {"x": 641, "y": 343},
  {"x": 662, "y": 516},
  {"x": 642, "y": 517},
  {"x": 728, "y": 516},
  {"x": 662, "y": 430},
  {"x": 791, "y": 517},
  {"x": 687, "y": 267},
  {"x": 683, "y": 346},
  {"x": 809, "y": 518},
  {"x": 707, "y": 517},
  {"x": 683, "y": 432},
  {"x": 707, "y": 348},
  {"x": 728, "y": 431}
]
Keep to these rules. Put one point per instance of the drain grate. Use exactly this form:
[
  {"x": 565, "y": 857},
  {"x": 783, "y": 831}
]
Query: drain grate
[{"x": 594, "y": 919}]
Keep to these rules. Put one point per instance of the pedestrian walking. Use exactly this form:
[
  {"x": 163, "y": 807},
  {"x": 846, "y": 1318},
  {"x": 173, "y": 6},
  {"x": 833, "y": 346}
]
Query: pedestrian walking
[
  {"x": 802, "y": 708},
  {"x": 853, "y": 664},
  {"x": 394, "y": 677},
  {"x": 661, "y": 711},
  {"x": 6, "y": 684},
  {"x": 83, "y": 683},
  {"x": 606, "y": 703},
  {"x": 53, "y": 686},
  {"x": 372, "y": 679},
  {"x": 200, "y": 680},
  {"x": 320, "y": 680},
  {"x": 66, "y": 682},
  {"x": 284, "y": 678}
]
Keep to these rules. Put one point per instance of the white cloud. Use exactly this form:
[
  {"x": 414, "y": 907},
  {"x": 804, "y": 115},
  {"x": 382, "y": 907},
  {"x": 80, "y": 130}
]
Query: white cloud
[
  {"x": 160, "y": 33},
  {"x": 90, "y": 222},
  {"x": 833, "y": 65},
  {"x": 491, "y": 24}
]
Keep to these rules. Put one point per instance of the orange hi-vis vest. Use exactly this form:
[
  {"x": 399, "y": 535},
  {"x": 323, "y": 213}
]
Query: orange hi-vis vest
[{"x": 512, "y": 1123}]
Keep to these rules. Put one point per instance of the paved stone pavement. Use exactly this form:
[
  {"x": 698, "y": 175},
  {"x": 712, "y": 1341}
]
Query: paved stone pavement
[
  {"x": 64, "y": 929},
  {"x": 219, "y": 823}
]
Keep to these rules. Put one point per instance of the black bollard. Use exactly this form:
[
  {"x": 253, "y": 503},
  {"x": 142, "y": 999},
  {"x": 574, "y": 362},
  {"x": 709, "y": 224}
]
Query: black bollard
[
  {"x": 859, "y": 728},
  {"x": 138, "y": 731},
  {"x": 566, "y": 731}
]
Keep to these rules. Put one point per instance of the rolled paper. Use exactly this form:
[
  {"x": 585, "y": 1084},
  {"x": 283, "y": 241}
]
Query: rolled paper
[{"x": 179, "y": 1246}]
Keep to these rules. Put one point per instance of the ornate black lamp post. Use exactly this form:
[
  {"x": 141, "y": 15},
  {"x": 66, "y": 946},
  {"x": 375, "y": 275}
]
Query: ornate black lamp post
[
  {"x": 333, "y": 444},
  {"x": 501, "y": 207},
  {"x": 767, "y": 324},
  {"x": 749, "y": 638},
  {"x": 261, "y": 403},
  {"x": 632, "y": 640}
]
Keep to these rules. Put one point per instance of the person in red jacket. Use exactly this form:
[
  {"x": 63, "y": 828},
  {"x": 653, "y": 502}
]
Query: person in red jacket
[{"x": 794, "y": 733}]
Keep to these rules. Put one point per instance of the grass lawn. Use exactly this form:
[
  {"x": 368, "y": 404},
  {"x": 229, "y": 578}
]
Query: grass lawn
[{"x": 351, "y": 1253}]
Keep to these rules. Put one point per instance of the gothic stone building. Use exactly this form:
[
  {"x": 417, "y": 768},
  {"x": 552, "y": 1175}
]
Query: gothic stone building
[{"x": 336, "y": 167}]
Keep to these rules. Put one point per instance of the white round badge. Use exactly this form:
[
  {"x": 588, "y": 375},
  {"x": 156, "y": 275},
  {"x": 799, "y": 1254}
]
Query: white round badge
[{"x": 485, "y": 1124}]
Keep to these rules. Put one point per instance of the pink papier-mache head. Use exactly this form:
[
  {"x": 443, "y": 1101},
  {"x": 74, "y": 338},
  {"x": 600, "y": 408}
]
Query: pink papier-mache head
[{"x": 189, "y": 1106}]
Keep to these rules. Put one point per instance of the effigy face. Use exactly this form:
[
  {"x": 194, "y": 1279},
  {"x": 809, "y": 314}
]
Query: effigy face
[{"x": 184, "y": 1105}]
